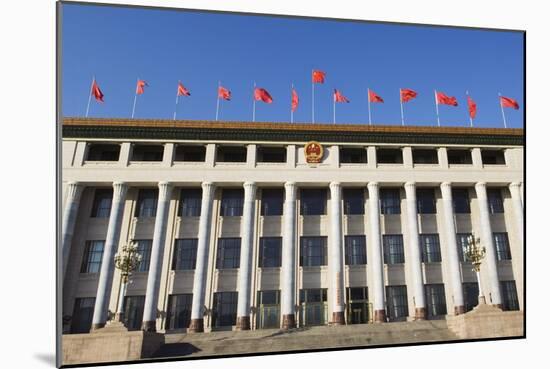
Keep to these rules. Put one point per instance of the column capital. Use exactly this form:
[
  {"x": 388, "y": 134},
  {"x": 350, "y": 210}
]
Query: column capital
[
  {"x": 481, "y": 185},
  {"x": 335, "y": 185},
  {"x": 208, "y": 187},
  {"x": 249, "y": 191},
  {"x": 290, "y": 184},
  {"x": 372, "y": 185},
  {"x": 74, "y": 190},
  {"x": 446, "y": 185},
  {"x": 515, "y": 185},
  {"x": 119, "y": 189},
  {"x": 164, "y": 189},
  {"x": 410, "y": 186},
  {"x": 290, "y": 191},
  {"x": 249, "y": 185}
]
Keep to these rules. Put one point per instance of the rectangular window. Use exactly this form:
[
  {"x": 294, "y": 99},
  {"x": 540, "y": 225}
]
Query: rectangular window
[
  {"x": 431, "y": 252},
  {"x": 147, "y": 203},
  {"x": 425, "y": 156},
  {"x": 190, "y": 202},
  {"x": 270, "y": 252},
  {"x": 268, "y": 309},
  {"x": 462, "y": 244},
  {"x": 142, "y": 152},
  {"x": 93, "y": 253},
  {"x": 494, "y": 199},
  {"x": 133, "y": 312},
  {"x": 461, "y": 200},
  {"x": 101, "y": 208},
  {"x": 190, "y": 153},
  {"x": 493, "y": 157},
  {"x": 425, "y": 201},
  {"x": 389, "y": 156},
  {"x": 354, "y": 201},
  {"x": 103, "y": 152},
  {"x": 185, "y": 254},
  {"x": 232, "y": 202},
  {"x": 272, "y": 201},
  {"x": 471, "y": 293},
  {"x": 179, "y": 311},
  {"x": 509, "y": 295},
  {"x": 313, "y": 251},
  {"x": 355, "y": 155},
  {"x": 83, "y": 313},
  {"x": 224, "y": 310},
  {"x": 357, "y": 293},
  {"x": 231, "y": 154},
  {"x": 313, "y": 201},
  {"x": 397, "y": 305},
  {"x": 390, "y": 201},
  {"x": 144, "y": 249},
  {"x": 229, "y": 253},
  {"x": 271, "y": 154},
  {"x": 393, "y": 249},
  {"x": 459, "y": 156},
  {"x": 356, "y": 250},
  {"x": 357, "y": 305},
  {"x": 502, "y": 246},
  {"x": 435, "y": 300},
  {"x": 313, "y": 304}
]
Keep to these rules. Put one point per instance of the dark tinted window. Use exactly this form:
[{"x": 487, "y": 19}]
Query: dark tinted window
[
  {"x": 101, "y": 207},
  {"x": 190, "y": 153},
  {"x": 502, "y": 246},
  {"x": 461, "y": 201},
  {"x": 429, "y": 244},
  {"x": 492, "y": 157},
  {"x": 459, "y": 156},
  {"x": 231, "y": 154},
  {"x": 435, "y": 299},
  {"x": 232, "y": 202},
  {"x": 229, "y": 253},
  {"x": 390, "y": 201},
  {"x": 190, "y": 202},
  {"x": 356, "y": 250},
  {"x": 389, "y": 156},
  {"x": 353, "y": 155},
  {"x": 270, "y": 252},
  {"x": 179, "y": 311},
  {"x": 494, "y": 198},
  {"x": 509, "y": 295},
  {"x": 313, "y": 251},
  {"x": 397, "y": 305},
  {"x": 185, "y": 254},
  {"x": 425, "y": 156},
  {"x": 133, "y": 312},
  {"x": 144, "y": 249},
  {"x": 272, "y": 201},
  {"x": 393, "y": 249},
  {"x": 354, "y": 201},
  {"x": 103, "y": 152},
  {"x": 93, "y": 255},
  {"x": 147, "y": 152},
  {"x": 313, "y": 201},
  {"x": 271, "y": 154},
  {"x": 425, "y": 200},
  {"x": 224, "y": 310},
  {"x": 83, "y": 313},
  {"x": 147, "y": 202}
]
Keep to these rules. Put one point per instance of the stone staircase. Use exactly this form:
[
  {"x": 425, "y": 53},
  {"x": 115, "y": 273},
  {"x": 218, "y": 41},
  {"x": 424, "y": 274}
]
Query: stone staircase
[{"x": 274, "y": 340}]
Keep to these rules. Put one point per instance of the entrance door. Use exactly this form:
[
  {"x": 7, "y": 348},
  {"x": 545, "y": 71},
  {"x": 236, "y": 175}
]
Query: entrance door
[{"x": 358, "y": 313}]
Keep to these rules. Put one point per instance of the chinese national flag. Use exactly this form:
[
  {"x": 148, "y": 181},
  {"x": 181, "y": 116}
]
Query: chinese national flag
[
  {"x": 182, "y": 90},
  {"x": 294, "y": 100},
  {"x": 263, "y": 95},
  {"x": 97, "y": 92},
  {"x": 508, "y": 102},
  {"x": 338, "y": 97},
  {"x": 446, "y": 100},
  {"x": 224, "y": 93},
  {"x": 318, "y": 76},
  {"x": 140, "y": 88},
  {"x": 373, "y": 97},
  {"x": 472, "y": 107},
  {"x": 407, "y": 94}
]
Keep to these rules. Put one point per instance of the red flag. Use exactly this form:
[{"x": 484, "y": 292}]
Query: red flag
[
  {"x": 472, "y": 107},
  {"x": 318, "y": 76},
  {"x": 294, "y": 100},
  {"x": 446, "y": 100},
  {"x": 140, "y": 88},
  {"x": 373, "y": 97},
  {"x": 262, "y": 94},
  {"x": 338, "y": 97},
  {"x": 97, "y": 92},
  {"x": 508, "y": 102},
  {"x": 224, "y": 93},
  {"x": 182, "y": 90},
  {"x": 407, "y": 94}
]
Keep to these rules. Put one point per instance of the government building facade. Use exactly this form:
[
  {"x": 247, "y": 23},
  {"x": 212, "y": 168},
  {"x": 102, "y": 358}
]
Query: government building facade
[{"x": 246, "y": 225}]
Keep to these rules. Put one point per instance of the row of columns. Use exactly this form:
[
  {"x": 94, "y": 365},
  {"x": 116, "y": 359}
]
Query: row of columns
[{"x": 288, "y": 278}]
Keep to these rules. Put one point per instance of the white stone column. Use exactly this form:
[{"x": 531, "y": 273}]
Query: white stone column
[
  {"x": 415, "y": 258},
  {"x": 452, "y": 248},
  {"x": 377, "y": 261},
  {"x": 486, "y": 237},
  {"x": 288, "y": 265},
  {"x": 245, "y": 264},
  {"x": 336, "y": 261},
  {"x": 201, "y": 266},
  {"x": 106, "y": 272},
  {"x": 157, "y": 251},
  {"x": 70, "y": 212},
  {"x": 515, "y": 191}
]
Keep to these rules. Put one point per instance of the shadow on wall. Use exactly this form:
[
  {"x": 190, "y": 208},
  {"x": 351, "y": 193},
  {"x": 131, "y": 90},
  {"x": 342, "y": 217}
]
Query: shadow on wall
[{"x": 176, "y": 349}]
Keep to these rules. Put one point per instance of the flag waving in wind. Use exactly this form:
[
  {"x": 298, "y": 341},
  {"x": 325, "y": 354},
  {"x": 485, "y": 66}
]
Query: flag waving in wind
[
  {"x": 263, "y": 95},
  {"x": 508, "y": 102},
  {"x": 445, "y": 100},
  {"x": 295, "y": 101},
  {"x": 338, "y": 97},
  {"x": 140, "y": 87},
  {"x": 96, "y": 92},
  {"x": 318, "y": 76},
  {"x": 373, "y": 97},
  {"x": 472, "y": 107},
  {"x": 182, "y": 91},
  {"x": 224, "y": 93},
  {"x": 407, "y": 94}
]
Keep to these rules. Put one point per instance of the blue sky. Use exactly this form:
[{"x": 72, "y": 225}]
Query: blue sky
[{"x": 117, "y": 45}]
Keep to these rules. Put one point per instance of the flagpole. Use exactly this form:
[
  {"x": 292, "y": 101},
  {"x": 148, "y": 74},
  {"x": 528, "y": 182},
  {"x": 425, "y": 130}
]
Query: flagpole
[
  {"x": 291, "y": 110},
  {"x": 437, "y": 108},
  {"x": 90, "y": 97},
  {"x": 401, "y": 102},
  {"x": 218, "y": 100},
  {"x": 254, "y": 103},
  {"x": 135, "y": 98},
  {"x": 177, "y": 95},
  {"x": 334, "y": 110},
  {"x": 469, "y": 114},
  {"x": 502, "y": 110},
  {"x": 368, "y": 99},
  {"x": 312, "y": 99}
]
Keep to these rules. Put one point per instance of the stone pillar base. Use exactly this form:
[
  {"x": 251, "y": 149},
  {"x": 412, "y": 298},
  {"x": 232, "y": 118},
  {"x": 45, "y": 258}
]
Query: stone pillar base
[
  {"x": 289, "y": 321},
  {"x": 243, "y": 323},
  {"x": 119, "y": 317},
  {"x": 149, "y": 326},
  {"x": 460, "y": 309},
  {"x": 97, "y": 326},
  {"x": 338, "y": 318},
  {"x": 420, "y": 313},
  {"x": 498, "y": 306},
  {"x": 481, "y": 300},
  {"x": 196, "y": 326},
  {"x": 379, "y": 316}
]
